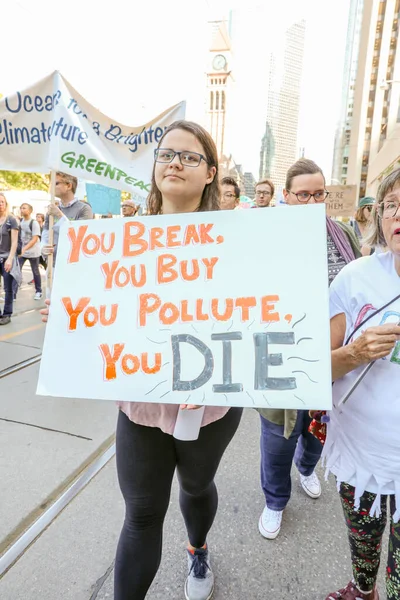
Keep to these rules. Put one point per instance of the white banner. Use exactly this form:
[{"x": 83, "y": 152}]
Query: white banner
[
  {"x": 50, "y": 126},
  {"x": 216, "y": 308}
]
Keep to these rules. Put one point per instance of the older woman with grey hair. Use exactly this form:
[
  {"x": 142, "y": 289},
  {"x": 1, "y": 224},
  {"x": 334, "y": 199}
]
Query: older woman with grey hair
[{"x": 363, "y": 439}]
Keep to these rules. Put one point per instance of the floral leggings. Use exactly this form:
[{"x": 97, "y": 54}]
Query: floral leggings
[{"x": 365, "y": 537}]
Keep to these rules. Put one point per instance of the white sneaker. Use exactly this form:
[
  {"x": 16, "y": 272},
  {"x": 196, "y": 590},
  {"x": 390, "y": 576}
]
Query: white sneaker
[
  {"x": 311, "y": 485},
  {"x": 38, "y": 296},
  {"x": 269, "y": 524}
]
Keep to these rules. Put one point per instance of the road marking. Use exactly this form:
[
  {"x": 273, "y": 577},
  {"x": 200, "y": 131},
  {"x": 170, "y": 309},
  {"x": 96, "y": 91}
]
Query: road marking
[{"x": 9, "y": 336}]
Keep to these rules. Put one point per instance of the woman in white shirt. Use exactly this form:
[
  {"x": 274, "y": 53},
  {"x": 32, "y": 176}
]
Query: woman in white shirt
[{"x": 363, "y": 440}]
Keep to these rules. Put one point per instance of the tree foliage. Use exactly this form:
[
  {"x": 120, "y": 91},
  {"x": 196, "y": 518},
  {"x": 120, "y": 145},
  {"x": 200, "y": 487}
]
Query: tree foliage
[{"x": 17, "y": 180}]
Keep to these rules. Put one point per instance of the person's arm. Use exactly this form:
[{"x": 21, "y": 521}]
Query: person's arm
[
  {"x": 30, "y": 244},
  {"x": 13, "y": 250},
  {"x": 374, "y": 343},
  {"x": 45, "y": 247}
]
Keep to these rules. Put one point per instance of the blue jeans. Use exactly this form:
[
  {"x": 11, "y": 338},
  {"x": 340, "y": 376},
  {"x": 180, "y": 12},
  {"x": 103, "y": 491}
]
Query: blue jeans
[
  {"x": 34, "y": 262},
  {"x": 8, "y": 289},
  {"x": 277, "y": 454}
]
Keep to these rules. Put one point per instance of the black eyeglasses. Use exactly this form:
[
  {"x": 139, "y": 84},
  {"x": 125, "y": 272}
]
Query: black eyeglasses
[
  {"x": 305, "y": 197},
  {"x": 186, "y": 158},
  {"x": 388, "y": 209}
]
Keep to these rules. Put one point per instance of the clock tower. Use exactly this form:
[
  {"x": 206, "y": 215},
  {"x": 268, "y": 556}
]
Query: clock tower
[{"x": 218, "y": 84}]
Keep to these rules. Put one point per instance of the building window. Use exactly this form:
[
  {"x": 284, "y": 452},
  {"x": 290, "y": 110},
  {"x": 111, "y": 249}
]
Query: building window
[
  {"x": 211, "y": 100},
  {"x": 216, "y": 100},
  {"x": 222, "y": 100}
]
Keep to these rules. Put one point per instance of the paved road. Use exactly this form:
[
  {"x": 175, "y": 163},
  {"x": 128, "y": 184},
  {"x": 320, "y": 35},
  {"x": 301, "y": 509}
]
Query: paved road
[{"x": 46, "y": 442}]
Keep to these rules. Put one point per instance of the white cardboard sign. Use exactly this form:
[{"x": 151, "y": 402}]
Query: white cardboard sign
[{"x": 214, "y": 308}]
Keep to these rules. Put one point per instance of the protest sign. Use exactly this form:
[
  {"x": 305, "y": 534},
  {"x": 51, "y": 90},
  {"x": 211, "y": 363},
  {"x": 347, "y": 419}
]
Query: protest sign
[
  {"x": 103, "y": 200},
  {"x": 213, "y": 308},
  {"x": 49, "y": 126},
  {"x": 342, "y": 200}
]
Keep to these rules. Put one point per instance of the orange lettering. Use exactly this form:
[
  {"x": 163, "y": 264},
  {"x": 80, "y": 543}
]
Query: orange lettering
[
  {"x": 145, "y": 363},
  {"x": 122, "y": 277},
  {"x": 164, "y": 319},
  {"x": 228, "y": 309},
  {"x": 209, "y": 264},
  {"x": 203, "y": 231},
  {"x": 114, "y": 312},
  {"x": 165, "y": 272},
  {"x": 103, "y": 245},
  {"x": 191, "y": 236},
  {"x": 155, "y": 234},
  {"x": 185, "y": 317},
  {"x": 134, "y": 368},
  {"x": 172, "y": 232},
  {"x": 134, "y": 239},
  {"x": 74, "y": 313},
  {"x": 96, "y": 245},
  {"x": 268, "y": 305},
  {"x": 195, "y": 274},
  {"x": 143, "y": 276},
  {"x": 91, "y": 316},
  {"x": 145, "y": 308},
  {"x": 76, "y": 240},
  {"x": 109, "y": 359},
  {"x": 245, "y": 304},
  {"x": 109, "y": 271},
  {"x": 200, "y": 316}
]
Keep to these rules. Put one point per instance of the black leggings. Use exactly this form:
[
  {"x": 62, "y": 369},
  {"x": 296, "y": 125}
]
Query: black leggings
[{"x": 146, "y": 462}]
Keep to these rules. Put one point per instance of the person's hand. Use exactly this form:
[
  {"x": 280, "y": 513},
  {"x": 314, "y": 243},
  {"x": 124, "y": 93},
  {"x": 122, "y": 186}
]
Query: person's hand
[
  {"x": 54, "y": 211},
  {"x": 8, "y": 265},
  {"x": 46, "y": 250},
  {"x": 375, "y": 343},
  {"x": 189, "y": 407},
  {"x": 45, "y": 311},
  {"x": 23, "y": 250}
]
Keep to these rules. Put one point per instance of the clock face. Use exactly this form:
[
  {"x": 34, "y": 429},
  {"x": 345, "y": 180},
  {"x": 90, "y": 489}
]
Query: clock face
[{"x": 219, "y": 62}]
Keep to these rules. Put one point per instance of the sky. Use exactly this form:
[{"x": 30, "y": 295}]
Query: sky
[{"x": 133, "y": 59}]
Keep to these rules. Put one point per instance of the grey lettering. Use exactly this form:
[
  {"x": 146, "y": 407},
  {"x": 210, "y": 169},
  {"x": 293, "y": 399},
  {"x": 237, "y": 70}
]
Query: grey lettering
[
  {"x": 263, "y": 360},
  {"x": 205, "y": 375},
  {"x": 227, "y": 385}
]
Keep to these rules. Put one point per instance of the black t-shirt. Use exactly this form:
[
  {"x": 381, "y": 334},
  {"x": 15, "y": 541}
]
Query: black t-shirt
[{"x": 5, "y": 235}]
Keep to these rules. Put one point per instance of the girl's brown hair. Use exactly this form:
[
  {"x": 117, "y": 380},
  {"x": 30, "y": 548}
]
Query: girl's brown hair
[
  {"x": 303, "y": 166},
  {"x": 359, "y": 216},
  {"x": 211, "y": 192}
]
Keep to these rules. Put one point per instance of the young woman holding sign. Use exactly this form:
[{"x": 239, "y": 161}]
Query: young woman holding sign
[{"x": 184, "y": 180}]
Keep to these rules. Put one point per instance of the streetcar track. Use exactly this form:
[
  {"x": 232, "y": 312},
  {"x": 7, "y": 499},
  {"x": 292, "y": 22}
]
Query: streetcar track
[
  {"x": 20, "y": 365},
  {"x": 18, "y": 541}
]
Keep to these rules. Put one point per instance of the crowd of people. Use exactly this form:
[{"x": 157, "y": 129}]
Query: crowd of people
[{"x": 361, "y": 444}]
